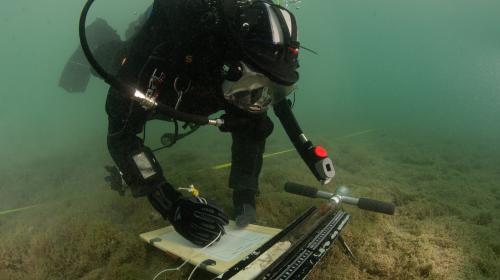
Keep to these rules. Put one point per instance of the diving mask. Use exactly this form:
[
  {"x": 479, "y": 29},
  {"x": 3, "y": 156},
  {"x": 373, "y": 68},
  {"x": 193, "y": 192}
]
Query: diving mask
[{"x": 252, "y": 91}]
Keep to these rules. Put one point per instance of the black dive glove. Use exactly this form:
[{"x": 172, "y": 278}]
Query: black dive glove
[
  {"x": 192, "y": 217},
  {"x": 197, "y": 220}
]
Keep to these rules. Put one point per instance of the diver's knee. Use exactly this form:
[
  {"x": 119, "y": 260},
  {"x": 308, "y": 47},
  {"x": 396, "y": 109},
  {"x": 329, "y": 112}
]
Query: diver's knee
[{"x": 265, "y": 127}]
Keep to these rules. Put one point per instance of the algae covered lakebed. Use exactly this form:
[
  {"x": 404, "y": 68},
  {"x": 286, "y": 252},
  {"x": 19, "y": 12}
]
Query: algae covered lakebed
[
  {"x": 445, "y": 226},
  {"x": 404, "y": 95}
]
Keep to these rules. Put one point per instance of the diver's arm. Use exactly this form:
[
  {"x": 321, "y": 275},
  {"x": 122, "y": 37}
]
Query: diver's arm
[{"x": 315, "y": 157}]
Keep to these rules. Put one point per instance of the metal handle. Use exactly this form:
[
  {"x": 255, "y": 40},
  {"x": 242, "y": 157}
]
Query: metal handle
[{"x": 362, "y": 203}]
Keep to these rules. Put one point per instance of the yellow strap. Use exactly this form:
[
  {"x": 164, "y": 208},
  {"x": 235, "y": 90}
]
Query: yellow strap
[{"x": 192, "y": 190}]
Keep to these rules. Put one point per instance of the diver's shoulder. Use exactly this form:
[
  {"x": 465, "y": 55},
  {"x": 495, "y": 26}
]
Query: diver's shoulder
[{"x": 187, "y": 6}]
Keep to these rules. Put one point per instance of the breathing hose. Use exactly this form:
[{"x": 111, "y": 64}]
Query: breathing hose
[{"x": 129, "y": 91}]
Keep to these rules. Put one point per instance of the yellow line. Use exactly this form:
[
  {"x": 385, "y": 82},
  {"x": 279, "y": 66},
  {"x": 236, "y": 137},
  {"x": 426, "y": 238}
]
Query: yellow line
[
  {"x": 221, "y": 166},
  {"x": 356, "y": 134},
  {"x": 18, "y": 209},
  {"x": 278, "y": 153},
  {"x": 227, "y": 165},
  {"x": 216, "y": 167}
]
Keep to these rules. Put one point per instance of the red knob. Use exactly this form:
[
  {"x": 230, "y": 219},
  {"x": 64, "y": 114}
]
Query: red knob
[
  {"x": 294, "y": 51},
  {"x": 320, "y": 152}
]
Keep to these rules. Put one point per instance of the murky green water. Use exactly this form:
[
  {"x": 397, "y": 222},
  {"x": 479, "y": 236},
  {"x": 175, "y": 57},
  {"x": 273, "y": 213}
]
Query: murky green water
[{"x": 423, "y": 77}]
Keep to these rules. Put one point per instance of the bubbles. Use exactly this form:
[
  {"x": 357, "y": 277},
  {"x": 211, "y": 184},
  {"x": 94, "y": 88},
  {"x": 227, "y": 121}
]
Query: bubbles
[
  {"x": 285, "y": 3},
  {"x": 290, "y": 3},
  {"x": 342, "y": 190}
]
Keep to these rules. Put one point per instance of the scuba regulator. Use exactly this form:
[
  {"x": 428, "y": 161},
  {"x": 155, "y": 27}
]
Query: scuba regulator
[{"x": 315, "y": 157}]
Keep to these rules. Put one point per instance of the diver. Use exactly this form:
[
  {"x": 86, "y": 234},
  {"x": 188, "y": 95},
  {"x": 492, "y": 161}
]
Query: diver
[{"x": 201, "y": 57}]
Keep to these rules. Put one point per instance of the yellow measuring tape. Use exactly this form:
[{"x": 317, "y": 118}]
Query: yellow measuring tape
[
  {"x": 18, "y": 209},
  {"x": 355, "y": 134},
  {"x": 216, "y": 167},
  {"x": 227, "y": 165}
]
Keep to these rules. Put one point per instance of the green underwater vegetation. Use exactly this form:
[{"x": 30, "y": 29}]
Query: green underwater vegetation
[
  {"x": 404, "y": 95},
  {"x": 444, "y": 228}
]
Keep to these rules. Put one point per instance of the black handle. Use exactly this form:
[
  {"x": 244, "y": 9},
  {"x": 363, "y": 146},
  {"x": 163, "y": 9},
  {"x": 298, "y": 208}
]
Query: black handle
[
  {"x": 303, "y": 146},
  {"x": 376, "y": 206},
  {"x": 300, "y": 189}
]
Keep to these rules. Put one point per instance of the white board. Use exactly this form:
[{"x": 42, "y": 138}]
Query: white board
[{"x": 234, "y": 245}]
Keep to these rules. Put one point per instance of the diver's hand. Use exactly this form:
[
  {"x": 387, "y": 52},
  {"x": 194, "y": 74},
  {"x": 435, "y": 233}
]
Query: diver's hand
[{"x": 198, "y": 221}]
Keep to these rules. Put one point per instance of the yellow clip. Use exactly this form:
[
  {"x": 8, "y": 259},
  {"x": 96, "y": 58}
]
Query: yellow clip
[{"x": 192, "y": 189}]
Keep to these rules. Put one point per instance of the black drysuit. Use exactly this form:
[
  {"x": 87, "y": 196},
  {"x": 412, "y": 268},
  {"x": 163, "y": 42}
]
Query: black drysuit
[{"x": 181, "y": 43}]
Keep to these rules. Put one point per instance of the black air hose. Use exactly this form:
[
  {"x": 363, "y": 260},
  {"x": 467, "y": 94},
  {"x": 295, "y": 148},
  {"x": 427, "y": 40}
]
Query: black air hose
[{"x": 122, "y": 87}]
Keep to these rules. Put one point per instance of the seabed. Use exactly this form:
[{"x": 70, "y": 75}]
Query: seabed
[{"x": 446, "y": 225}]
